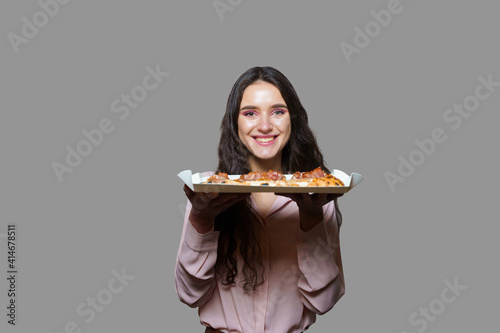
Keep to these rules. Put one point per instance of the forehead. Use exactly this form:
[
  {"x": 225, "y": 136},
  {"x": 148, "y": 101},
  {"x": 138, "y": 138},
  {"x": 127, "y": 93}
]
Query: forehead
[{"x": 262, "y": 93}]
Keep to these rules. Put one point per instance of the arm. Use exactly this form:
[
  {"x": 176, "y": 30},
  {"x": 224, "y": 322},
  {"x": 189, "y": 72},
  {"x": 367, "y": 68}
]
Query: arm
[
  {"x": 321, "y": 284},
  {"x": 194, "y": 270}
]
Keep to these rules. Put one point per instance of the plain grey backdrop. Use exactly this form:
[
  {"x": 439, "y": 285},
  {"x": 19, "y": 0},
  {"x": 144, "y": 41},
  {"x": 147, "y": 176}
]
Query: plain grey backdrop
[{"x": 121, "y": 208}]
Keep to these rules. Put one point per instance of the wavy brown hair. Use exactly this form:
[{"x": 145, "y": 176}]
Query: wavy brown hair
[{"x": 238, "y": 226}]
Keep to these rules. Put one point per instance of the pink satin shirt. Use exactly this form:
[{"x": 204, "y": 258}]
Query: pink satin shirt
[{"x": 304, "y": 274}]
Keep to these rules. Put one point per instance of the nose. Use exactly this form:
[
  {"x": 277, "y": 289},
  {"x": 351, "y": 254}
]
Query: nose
[{"x": 265, "y": 124}]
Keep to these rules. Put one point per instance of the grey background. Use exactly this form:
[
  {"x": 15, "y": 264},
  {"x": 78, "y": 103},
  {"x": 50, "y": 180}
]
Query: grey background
[{"x": 122, "y": 206}]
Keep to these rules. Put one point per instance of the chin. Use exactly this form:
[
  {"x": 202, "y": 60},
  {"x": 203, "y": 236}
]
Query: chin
[{"x": 265, "y": 157}]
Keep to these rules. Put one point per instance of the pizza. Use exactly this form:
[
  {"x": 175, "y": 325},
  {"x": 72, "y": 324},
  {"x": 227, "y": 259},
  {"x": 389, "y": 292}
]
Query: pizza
[{"x": 316, "y": 177}]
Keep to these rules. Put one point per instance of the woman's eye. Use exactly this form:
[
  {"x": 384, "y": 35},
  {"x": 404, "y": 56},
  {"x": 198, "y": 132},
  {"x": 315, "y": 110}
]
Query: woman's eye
[
  {"x": 279, "y": 112},
  {"x": 249, "y": 114}
]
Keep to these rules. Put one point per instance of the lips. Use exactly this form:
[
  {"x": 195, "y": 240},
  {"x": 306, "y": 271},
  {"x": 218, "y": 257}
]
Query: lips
[{"x": 265, "y": 139}]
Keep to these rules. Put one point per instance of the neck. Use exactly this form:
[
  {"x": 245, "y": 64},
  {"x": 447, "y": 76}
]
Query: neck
[{"x": 265, "y": 165}]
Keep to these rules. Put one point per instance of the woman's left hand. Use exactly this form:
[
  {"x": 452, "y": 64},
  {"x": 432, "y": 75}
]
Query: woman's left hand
[{"x": 311, "y": 206}]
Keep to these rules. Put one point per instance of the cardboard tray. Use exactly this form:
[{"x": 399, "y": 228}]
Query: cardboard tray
[{"x": 195, "y": 182}]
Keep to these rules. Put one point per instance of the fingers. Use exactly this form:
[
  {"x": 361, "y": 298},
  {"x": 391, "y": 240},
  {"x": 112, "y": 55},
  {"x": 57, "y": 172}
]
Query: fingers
[
  {"x": 213, "y": 201},
  {"x": 199, "y": 200},
  {"x": 229, "y": 200},
  {"x": 307, "y": 198},
  {"x": 189, "y": 192},
  {"x": 333, "y": 196},
  {"x": 211, "y": 195},
  {"x": 213, "y": 207},
  {"x": 320, "y": 198}
]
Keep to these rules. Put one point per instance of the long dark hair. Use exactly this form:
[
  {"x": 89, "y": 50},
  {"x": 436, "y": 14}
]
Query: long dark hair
[{"x": 238, "y": 226}]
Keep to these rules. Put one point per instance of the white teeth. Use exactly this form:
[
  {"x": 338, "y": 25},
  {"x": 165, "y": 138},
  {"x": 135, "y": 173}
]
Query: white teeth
[{"x": 264, "y": 140}]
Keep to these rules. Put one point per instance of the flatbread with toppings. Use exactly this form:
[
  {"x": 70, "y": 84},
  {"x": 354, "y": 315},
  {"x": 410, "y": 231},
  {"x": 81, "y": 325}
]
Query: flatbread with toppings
[{"x": 316, "y": 177}]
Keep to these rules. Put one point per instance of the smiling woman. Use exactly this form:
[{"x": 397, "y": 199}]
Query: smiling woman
[{"x": 260, "y": 262}]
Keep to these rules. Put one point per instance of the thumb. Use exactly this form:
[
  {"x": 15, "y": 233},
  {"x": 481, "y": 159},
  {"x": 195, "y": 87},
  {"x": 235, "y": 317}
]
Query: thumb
[{"x": 211, "y": 195}]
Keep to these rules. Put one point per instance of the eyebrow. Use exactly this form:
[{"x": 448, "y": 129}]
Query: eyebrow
[{"x": 251, "y": 107}]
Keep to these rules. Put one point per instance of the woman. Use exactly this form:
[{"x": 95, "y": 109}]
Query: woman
[{"x": 260, "y": 262}]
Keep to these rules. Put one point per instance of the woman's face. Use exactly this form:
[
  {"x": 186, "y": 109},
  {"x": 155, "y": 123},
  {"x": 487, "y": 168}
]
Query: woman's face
[{"x": 264, "y": 124}]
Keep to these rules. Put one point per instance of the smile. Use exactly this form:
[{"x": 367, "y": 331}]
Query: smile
[{"x": 265, "y": 139}]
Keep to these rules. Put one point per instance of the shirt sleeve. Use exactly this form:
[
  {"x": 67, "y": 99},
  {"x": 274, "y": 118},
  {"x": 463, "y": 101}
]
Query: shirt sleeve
[
  {"x": 194, "y": 270},
  {"x": 321, "y": 283}
]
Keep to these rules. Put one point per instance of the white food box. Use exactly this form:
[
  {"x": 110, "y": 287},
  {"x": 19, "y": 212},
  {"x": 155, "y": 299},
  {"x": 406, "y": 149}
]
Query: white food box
[{"x": 195, "y": 182}]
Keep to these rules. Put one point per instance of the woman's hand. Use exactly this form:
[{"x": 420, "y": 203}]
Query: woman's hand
[
  {"x": 311, "y": 206},
  {"x": 206, "y": 206}
]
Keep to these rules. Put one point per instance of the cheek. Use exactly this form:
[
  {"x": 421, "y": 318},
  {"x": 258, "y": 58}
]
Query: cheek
[
  {"x": 245, "y": 125},
  {"x": 241, "y": 126},
  {"x": 287, "y": 130},
  {"x": 242, "y": 129},
  {"x": 284, "y": 125}
]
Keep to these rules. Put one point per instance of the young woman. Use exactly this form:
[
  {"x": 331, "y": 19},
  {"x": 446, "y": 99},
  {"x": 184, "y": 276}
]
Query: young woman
[{"x": 261, "y": 262}]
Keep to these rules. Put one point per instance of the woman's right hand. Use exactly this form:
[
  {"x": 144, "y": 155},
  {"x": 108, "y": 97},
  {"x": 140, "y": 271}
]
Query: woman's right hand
[{"x": 206, "y": 206}]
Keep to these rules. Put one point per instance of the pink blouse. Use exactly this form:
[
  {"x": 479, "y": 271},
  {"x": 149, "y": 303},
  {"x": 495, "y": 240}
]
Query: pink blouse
[{"x": 304, "y": 274}]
